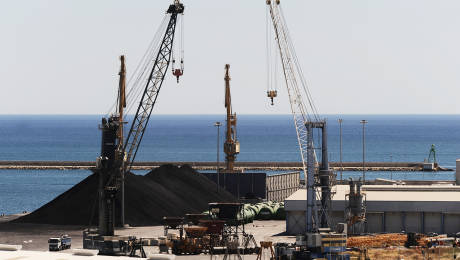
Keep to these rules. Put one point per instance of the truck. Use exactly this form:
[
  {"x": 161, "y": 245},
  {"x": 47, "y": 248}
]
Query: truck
[{"x": 59, "y": 243}]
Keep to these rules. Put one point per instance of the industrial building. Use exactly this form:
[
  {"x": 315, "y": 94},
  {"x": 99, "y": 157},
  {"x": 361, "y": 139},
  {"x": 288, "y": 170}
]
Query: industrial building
[{"x": 389, "y": 208}]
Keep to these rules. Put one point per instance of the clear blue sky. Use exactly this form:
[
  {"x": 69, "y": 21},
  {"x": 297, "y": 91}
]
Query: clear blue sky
[{"x": 360, "y": 57}]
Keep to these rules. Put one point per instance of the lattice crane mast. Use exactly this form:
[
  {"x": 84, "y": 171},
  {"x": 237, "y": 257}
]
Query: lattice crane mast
[
  {"x": 306, "y": 119},
  {"x": 231, "y": 145},
  {"x": 117, "y": 153}
]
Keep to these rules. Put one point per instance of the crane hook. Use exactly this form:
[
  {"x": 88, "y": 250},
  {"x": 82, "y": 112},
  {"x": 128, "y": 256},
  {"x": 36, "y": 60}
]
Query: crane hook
[
  {"x": 272, "y": 94},
  {"x": 178, "y": 72}
]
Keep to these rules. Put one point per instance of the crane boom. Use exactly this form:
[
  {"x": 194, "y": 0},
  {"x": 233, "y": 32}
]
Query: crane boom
[
  {"x": 117, "y": 153},
  {"x": 152, "y": 88},
  {"x": 306, "y": 119}
]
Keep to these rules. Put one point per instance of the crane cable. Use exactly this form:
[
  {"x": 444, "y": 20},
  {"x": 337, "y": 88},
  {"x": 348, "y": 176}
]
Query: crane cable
[
  {"x": 272, "y": 59},
  {"x": 139, "y": 78},
  {"x": 140, "y": 75},
  {"x": 302, "y": 112},
  {"x": 268, "y": 49},
  {"x": 300, "y": 73},
  {"x": 178, "y": 47},
  {"x": 293, "y": 70}
]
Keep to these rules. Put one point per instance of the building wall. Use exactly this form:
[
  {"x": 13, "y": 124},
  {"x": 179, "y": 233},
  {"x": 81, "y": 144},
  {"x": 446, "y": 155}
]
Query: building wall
[
  {"x": 389, "y": 222},
  {"x": 432, "y": 222},
  {"x": 451, "y": 222},
  {"x": 375, "y": 222},
  {"x": 413, "y": 221},
  {"x": 393, "y": 222},
  {"x": 457, "y": 172}
]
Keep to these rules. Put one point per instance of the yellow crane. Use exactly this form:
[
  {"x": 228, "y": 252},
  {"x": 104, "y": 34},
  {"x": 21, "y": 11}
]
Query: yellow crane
[{"x": 231, "y": 145}]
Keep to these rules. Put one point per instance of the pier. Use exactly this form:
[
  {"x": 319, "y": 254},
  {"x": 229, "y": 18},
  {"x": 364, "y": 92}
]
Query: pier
[{"x": 244, "y": 166}]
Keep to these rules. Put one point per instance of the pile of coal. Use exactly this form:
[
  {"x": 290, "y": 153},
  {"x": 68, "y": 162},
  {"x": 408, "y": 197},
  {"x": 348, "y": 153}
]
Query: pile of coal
[{"x": 165, "y": 191}]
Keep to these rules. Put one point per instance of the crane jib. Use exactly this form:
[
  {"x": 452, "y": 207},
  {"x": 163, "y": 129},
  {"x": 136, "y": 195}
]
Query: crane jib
[{"x": 152, "y": 88}]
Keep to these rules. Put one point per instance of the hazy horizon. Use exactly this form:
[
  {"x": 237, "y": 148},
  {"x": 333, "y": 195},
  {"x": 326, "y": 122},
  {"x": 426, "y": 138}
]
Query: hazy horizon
[
  {"x": 243, "y": 114},
  {"x": 388, "y": 57}
]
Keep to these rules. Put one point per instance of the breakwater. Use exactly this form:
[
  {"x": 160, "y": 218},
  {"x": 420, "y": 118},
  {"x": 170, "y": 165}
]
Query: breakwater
[{"x": 245, "y": 166}]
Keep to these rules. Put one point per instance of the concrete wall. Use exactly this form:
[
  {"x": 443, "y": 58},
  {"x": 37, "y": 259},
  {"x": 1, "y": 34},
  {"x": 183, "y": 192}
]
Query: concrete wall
[
  {"x": 457, "y": 171},
  {"x": 388, "y": 222}
]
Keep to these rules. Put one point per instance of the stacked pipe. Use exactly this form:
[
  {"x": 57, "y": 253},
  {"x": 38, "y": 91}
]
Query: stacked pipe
[
  {"x": 264, "y": 211},
  {"x": 269, "y": 210}
]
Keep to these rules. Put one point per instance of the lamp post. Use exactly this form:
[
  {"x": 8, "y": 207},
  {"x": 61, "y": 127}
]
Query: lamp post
[
  {"x": 341, "y": 164},
  {"x": 218, "y": 124},
  {"x": 364, "y": 122}
]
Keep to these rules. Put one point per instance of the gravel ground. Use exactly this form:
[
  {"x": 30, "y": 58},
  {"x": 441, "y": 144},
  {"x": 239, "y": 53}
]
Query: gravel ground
[{"x": 35, "y": 236}]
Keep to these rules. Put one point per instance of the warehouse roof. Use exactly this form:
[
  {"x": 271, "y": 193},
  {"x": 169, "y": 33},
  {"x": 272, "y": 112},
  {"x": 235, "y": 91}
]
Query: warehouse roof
[{"x": 394, "y": 193}]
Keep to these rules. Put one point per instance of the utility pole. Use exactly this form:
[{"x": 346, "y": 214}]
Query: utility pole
[
  {"x": 364, "y": 122},
  {"x": 341, "y": 164},
  {"x": 218, "y": 124}
]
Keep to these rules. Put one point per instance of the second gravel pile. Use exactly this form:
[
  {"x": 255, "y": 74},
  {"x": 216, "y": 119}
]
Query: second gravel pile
[{"x": 166, "y": 191}]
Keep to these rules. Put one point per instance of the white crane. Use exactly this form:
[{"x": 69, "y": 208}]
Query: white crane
[{"x": 306, "y": 118}]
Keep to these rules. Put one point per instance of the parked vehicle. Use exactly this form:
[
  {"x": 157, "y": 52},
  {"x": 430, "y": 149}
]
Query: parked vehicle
[{"x": 59, "y": 243}]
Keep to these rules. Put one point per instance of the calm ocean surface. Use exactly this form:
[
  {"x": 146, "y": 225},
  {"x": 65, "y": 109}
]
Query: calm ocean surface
[{"x": 193, "y": 138}]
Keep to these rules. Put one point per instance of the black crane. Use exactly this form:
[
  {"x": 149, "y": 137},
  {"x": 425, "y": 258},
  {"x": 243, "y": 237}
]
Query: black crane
[{"x": 117, "y": 153}]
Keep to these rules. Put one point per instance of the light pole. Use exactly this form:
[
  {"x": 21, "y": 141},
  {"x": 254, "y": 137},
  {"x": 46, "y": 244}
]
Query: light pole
[
  {"x": 364, "y": 122},
  {"x": 341, "y": 164},
  {"x": 218, "y": 124}
]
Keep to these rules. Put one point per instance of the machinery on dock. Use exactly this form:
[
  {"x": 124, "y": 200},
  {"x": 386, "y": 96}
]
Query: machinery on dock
[
  {"x": 118, "y": 153},
  {"x": 355, "y": 211},
  {"x": 233, "y": 239},
  {"x": 231, "y": 145},
  {"x": 431, "y": 164},
  {"x": 220, "y": 231}
]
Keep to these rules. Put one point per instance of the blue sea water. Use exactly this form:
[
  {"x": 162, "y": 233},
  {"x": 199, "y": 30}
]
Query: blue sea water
[{"x": 193, "y": 138}]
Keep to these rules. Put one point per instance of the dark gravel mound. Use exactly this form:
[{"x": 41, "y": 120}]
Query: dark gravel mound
[
  {"x": 72, "y": 207},
  {"x": 166, "y": 191},
  {"x": 193, "y": 187}
]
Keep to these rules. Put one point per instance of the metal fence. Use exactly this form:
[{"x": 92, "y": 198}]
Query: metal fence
[{"x": 281, "y": 186}]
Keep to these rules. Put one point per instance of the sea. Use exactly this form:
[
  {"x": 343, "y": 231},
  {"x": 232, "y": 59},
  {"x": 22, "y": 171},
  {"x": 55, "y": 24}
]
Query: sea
[{"x": 396, "y": 138}]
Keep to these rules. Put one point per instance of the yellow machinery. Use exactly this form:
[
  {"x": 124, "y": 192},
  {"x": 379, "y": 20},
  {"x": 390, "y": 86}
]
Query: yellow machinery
[{"x": 231, "y": 145}]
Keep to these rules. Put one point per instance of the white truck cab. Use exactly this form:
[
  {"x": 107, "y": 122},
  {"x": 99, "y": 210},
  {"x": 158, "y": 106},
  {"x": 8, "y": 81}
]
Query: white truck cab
[{"x": 59, "y": 243}]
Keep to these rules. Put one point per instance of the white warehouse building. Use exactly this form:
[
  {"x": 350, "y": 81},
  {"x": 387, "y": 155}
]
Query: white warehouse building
[{"x": 390, "y": 208}]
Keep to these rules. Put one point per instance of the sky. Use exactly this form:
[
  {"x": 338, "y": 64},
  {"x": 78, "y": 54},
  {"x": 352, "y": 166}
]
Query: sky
[{"x": 359, "y": 57}]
